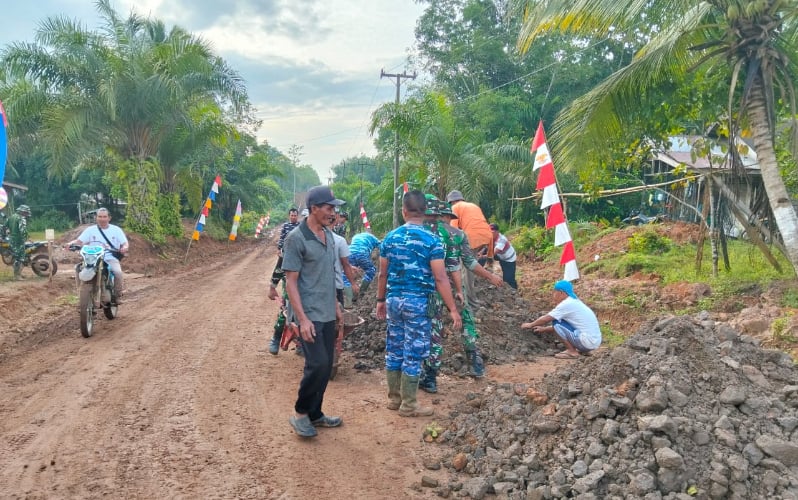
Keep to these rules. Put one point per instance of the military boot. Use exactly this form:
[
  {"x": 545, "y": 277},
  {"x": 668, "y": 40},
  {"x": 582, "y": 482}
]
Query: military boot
[
  {"x": 476, "y": 367},
  {"x": 428, "y": 382},
  {"x": 410, "y": 406}
]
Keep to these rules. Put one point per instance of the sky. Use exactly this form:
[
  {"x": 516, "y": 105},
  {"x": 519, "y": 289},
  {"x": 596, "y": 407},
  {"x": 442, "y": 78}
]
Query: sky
[{"x": 312, "y": 67}]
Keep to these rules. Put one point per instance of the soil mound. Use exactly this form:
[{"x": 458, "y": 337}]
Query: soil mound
[
  {"x": 685, "y": 408},
  {"x": 498, "y": 322}
]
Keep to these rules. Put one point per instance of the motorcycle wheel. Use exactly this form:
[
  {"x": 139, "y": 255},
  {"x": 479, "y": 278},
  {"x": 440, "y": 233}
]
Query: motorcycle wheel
[
  {"x": 86, "y": 309},
  {"x": 41, "y": 266},
  {"x": 8, "y": 259}
]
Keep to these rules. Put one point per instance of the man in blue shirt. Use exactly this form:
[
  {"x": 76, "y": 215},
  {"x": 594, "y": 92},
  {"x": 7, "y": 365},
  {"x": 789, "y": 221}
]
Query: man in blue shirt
[{"x": 411, "y": 270}]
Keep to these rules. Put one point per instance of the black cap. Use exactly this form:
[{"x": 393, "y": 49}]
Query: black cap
[{"x": 323, "y": 195}]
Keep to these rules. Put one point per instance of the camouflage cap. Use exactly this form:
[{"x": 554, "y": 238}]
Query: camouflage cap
[
  {"x": 432, "y": 205},
  {"x": 445, "y": 208}
]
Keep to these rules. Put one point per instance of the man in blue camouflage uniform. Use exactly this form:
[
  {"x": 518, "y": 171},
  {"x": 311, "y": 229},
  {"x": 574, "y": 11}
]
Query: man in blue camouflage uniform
[
  {"x": 411, "y": 270},
  {"x": 360, "y": 250},
  {"x": 277, "y": 276},
  {"x": 458, "y": 250}
]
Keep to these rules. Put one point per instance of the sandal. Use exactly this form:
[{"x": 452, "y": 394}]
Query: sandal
[{"x": 566, "y": 355}]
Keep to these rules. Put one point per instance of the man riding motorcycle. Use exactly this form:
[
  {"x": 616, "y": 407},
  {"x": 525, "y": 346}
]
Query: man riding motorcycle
[{"x": 108, "y": 236}]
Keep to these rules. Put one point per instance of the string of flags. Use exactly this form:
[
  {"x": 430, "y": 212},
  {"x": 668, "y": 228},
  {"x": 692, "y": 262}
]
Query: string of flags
[
  {"x": 263, "y": 222},
  {"x": 555, "y": 218},
  {"x": 217, "y": 183},
  {"x": 236, "y": 222},
  {"x": 365, "y": 218}
]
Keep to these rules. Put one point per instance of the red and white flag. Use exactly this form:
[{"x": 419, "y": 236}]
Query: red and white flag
[
  {"x": 365, "y": 218},
  {"x": 259, "y": 228},
  {"x": 555, "y": 218}
]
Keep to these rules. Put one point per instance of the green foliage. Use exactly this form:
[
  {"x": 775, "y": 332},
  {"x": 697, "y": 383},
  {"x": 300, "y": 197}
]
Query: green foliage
[
  {"x": 609, "y": 338},
  {"x": 536, "y": 240},
  {"x": 141, "y": 191},
  {"x": 249, "y": 222},
  {"x": 790, "y": 298},
  {"x": 780, "y": 328},
  {"x": 649, "y": 242},
  {"x": 51, "y": 219},
  {"x": 632, "y": 263},
  {"x": 169, "y": 214}
]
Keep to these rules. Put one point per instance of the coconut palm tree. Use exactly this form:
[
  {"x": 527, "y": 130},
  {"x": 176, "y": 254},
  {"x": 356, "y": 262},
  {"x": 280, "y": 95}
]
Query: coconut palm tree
[
  {"x": 754, "y": 41},
  {"x": 133, "y": 96}
]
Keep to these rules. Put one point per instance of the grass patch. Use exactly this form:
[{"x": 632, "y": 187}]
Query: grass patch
[{"x": 609, "y": 338}]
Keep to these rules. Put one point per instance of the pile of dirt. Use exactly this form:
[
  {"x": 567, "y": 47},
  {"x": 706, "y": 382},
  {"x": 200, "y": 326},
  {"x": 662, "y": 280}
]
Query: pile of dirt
[
  {"x": 686, "y": 407},
  {"x": 498, "y": 322}
]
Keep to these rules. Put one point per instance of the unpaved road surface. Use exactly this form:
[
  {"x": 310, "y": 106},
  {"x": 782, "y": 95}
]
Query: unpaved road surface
[{"x": 178, "y": 398}]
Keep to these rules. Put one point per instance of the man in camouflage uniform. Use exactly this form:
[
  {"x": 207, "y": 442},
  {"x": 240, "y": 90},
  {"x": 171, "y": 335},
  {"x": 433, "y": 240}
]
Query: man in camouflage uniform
[
  {"x": 17, "y": 226},
  {"x": 411, "y": 271},
  {"x": 458, "y": 252},
  {"x": 278, "y": 276}
]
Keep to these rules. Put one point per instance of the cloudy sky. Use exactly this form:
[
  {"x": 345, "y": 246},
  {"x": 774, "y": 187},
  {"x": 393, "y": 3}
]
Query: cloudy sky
[{"x": 312, "y": 67}]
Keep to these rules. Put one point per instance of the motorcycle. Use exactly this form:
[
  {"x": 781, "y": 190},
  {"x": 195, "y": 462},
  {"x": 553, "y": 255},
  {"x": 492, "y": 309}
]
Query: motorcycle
[
  {"x": 38, "y": 262},
  {"x": 638, "y": 218},
  {"x": 96, "y": 283}
]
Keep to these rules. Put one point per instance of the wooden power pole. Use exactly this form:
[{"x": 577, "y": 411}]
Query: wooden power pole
[{"x": 396, "y": 138}]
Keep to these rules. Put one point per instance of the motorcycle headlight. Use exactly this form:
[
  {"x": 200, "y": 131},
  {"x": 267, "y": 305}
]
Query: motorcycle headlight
[{"x": 86, "y": 274}]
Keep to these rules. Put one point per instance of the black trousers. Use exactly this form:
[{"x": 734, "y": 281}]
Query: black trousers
[
  {"x": 508, "y": 273},
  {"x": 318, "y": 365}
]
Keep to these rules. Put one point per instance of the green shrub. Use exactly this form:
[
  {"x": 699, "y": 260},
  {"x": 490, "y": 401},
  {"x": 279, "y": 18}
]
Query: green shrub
[
  {"x": 649, "y": 242},
  {"x": 51, "y": 219},
  {"x": 534, "y": 239}
]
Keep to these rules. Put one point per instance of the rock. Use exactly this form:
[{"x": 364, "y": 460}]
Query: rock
[
  {"x": 784, "y": 452},
  {"x": 756, "y": 377},
  {"x": 753, "y": 454},
  {"x": 475, "y": 487},
  {"x": 733, "y": 395},
  {"x": 536, "y": 397},
  {"x": 663, "y": 424},
  {"x": 653, "y": 401},
  {"x": 669, "y": 459},
  {"x": 503, "y": 488},
  {"x": 546, "y": 426},
  {"x": 459, "y": 461},
  {"x": 589, "y": 482},
  {"x": 642, "y": 482},
  {"x": 579, "y": 468},
  {"x": 429, "y": 482}
]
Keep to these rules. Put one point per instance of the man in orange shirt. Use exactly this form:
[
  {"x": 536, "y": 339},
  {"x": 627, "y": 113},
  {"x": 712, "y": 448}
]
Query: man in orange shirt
[{"x": 473, "y": 223}]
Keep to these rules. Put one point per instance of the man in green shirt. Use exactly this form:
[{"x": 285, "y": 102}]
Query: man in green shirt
[{"x": 18, "y": 234}]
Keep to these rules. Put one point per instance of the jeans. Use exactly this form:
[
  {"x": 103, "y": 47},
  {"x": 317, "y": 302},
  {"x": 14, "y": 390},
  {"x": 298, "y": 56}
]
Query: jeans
[
  {"x": 318, "y": 366},
  {"x": 508, "y": 273}
]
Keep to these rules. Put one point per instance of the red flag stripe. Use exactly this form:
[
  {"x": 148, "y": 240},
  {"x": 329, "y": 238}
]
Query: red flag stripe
[
  {"x": 568, "y": 253},
  {"x": 546, "y": 176},
  {"x": 555, "y": 216},
  {"x": 540, "y": 137}
]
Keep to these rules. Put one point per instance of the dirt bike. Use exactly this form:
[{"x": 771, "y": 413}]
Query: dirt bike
[
  {"x": 96, "y": 283},
  {"x": 637, "y": 218},
  {"x": 39, "y": 262}
]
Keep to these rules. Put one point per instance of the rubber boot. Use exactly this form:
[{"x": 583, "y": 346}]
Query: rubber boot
[
  {"x": 428, "y": 382},
  {"x": 348, "y": 297},
  {"x": 17, "y": 271},
  {"x": 394, "y": 389},
  {"x": 410, "y": 406},
  {"x": 476, "y": 367},
  {"x": 274, "y": 345},
  {"x": 364, "y": 285}
]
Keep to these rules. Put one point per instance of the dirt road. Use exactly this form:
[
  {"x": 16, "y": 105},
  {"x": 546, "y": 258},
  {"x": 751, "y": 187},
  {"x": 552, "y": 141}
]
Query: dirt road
[{"x": 178, "y": 397}]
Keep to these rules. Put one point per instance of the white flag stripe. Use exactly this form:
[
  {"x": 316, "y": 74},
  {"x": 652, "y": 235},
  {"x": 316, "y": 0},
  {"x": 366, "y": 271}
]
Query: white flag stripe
[
  {"x": 550, "y": 196},
  {"x": 571, "y": 272},
  {"x": 561, "y": 234}
]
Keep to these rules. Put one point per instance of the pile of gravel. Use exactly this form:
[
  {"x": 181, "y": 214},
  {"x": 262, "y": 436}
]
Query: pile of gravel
[
  {"x": 686, "y": 408},
  {"x": 498, "y": 321}
]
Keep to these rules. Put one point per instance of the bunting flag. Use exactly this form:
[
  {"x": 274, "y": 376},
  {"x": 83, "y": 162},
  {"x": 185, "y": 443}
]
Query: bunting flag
[
  {"x": 405, "y": 187},
  {"x": 3, "y": 143},
  {"x": 555, "y": 218},
  {"x": 259, "y": 228},
  {"x": 206, "y": 207},
  {"x": 365, "y": 218},
  {"x": 236, "y": 222}
]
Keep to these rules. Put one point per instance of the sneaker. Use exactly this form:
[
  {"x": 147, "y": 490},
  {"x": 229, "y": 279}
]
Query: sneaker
[
  {"x": 302, "y": 426},
  {"x": 326, "y": 421},
  {"x": 274, "y": 346}
]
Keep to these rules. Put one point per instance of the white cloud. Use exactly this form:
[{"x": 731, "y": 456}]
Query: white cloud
[{"x": 312, "y": 67}]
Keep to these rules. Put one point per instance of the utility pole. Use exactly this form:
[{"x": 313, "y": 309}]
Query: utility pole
[
  {"x": 295, "y": 152},
  {"x": 396, "y": 138}
]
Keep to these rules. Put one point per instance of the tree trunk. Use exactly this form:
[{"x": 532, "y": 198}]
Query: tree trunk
[{"x": 783, "y": 211}]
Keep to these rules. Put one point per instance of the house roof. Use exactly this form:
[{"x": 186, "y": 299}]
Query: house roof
[{"x": 679, "y": 153}]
